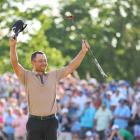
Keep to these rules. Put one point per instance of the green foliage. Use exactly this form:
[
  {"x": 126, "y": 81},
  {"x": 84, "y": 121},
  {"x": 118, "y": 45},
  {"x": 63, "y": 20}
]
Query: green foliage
[
  {"x": 113, "y": 30},
  {"x": 37, "y": 40}
]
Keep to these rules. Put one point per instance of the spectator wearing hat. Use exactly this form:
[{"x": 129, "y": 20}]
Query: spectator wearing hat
[
  {"x": 65, "y": 126},
  {"x": 92, "y": 85},
  {"x": 19, "y": 124},
  {"x": 122, "y": 87},
  {"x": 8, "y": 128},
  {"x": 87, "y": 117},
  {"x": 103, "y": 118},
  {"x": 113, "y": 85},
  {"x": 116, "y": 96},
  {"x": 122, "y": 114},
  {"x": 115, "y": 133},
  {"x": 108, "y": 99}
]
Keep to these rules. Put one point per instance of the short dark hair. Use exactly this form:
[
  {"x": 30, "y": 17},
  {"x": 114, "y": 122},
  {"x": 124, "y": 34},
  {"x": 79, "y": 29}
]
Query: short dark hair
[{"x": 33, "y": 56}]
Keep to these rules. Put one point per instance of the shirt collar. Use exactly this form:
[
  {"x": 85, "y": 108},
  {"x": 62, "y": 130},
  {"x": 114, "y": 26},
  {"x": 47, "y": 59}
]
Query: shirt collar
[{"x": 38, "y": 74}]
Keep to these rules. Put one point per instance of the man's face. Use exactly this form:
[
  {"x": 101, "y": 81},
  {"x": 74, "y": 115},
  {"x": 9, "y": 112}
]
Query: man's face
[
  {"x": 40, "y": 62},
  {"x": 108, "y": 97}
]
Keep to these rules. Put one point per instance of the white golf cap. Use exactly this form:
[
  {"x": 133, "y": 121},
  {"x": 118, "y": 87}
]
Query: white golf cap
[
  {"x": 115, "y": 126},
  {"x": 64, "y": 110}
]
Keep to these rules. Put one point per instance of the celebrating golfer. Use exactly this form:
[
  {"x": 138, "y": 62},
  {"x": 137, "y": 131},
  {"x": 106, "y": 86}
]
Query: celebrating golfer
[{"x": 41, "y": 90}]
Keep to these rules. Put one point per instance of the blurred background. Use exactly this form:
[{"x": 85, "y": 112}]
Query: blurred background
[{"x": 113, "y": 31}]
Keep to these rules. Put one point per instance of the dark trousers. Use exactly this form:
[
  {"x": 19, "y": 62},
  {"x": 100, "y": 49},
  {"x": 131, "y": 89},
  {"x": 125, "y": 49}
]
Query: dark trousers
[
  {"x": 83, "y": 131},
  {"x": 101, "y": 134},
  {"x": 38, "y": 129}
]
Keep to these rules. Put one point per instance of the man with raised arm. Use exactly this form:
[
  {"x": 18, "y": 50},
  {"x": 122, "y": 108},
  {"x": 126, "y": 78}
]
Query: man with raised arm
[{"x": 41, "y": 90}]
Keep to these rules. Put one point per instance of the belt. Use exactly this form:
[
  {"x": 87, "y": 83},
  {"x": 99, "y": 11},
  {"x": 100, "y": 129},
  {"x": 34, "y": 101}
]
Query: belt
[{"x": 42, "y": 117}]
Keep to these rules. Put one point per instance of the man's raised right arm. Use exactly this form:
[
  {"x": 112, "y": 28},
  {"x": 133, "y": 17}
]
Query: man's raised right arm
[{"x": 19, "y": 70}]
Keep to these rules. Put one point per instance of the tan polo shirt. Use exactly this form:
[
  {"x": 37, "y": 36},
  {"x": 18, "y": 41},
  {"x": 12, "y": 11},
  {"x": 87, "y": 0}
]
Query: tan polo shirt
[{"x": 41, "y": 97}]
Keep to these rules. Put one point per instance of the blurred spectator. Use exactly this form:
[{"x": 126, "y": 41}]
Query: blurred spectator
[
  {"x": 76, "y": 127},
  {"x": 115, "y": 134},
  {"x": 122, "y": 87},
  {"x": 122, "y": 114},
  {"x": 8, "y": 128},
  {"x": 108, "y": 99},
  {"x": 87, "y": 118},
  {"x": 19, "y": 124},
  {"x": 115, "y": 97},
  {"x": 113, "y": 85},
  {"x": 79, "y": 99},
  {"x": 125, "y": 134},
  {"x": 103, "y": 118},
  {"x": 65, "y": 126}
]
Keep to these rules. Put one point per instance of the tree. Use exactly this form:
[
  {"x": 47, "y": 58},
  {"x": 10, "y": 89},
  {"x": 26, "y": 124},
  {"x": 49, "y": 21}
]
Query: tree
[
  {"x": 36, "y": 40},
  {"x": 111, "y": 27}
]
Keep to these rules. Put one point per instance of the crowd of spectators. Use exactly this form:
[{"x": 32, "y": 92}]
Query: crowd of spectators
[{"x": 87, "y": 109}]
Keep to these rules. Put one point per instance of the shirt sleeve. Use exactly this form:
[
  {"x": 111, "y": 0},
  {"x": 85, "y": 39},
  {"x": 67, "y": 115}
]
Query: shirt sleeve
[
  {"x": 23, "y": 77},
  {"x": 60, "y": 73}
]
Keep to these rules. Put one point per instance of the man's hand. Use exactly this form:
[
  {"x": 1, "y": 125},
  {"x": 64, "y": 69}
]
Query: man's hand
[
  {"x": 12, "y": 42},
  {"x": 85, "y": 46},
  {"x": 114, "y": 132}
]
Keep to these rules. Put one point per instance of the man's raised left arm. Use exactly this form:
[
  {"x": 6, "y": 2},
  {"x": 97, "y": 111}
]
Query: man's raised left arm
[{"x": 75, "y": 63}]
